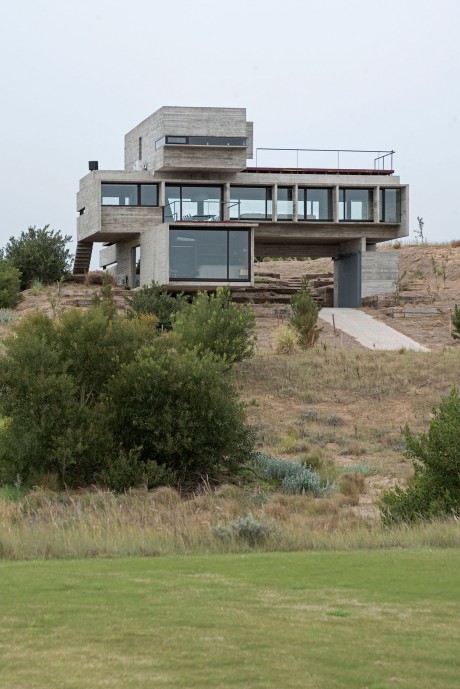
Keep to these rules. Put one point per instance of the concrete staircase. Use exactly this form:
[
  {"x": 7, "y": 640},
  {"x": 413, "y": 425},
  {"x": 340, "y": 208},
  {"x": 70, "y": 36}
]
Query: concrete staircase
[{"x": 82, "y": 258}]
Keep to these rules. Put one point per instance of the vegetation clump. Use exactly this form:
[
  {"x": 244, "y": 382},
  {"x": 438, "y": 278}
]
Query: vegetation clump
[
  {"x": 10, "y": 285},
  {"x": 293, "y": 477},
  {"x": 455, "y": 318},
  {"x": 154, "y": 300},
  {"x": 434, "y": 490},
  {"x": 40, "y": 254},
  {"x": 304, "y": 316},
  {"x": 215, "y": 324},
  {"x": 92, "y": 397}
]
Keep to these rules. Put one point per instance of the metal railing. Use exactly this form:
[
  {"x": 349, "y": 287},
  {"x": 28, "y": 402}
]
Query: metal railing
[{"x": 379, "y": 159}]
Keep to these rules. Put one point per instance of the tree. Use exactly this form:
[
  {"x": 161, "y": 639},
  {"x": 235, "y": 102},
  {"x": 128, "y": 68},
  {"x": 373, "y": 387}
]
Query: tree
[
  {"x": 10, "y": 284},
  {"x": 434, "y": 490},
  {"x": 304, "y": 316},
  {"x": 215, "y": 324},
  {"x": 39, "y": 253}
]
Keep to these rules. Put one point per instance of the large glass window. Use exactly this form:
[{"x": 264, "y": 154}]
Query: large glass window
[
  {"x": 285, "y": 204},
  {"x": 390, "y": 205},
  {"x": 209, "y": 254},
  {"x": 129, "y": 194},
  {"x": 315, "y": 204},
  {"x": 250, "y": 203},
  {"x": 193, "y": 203},
  {"x": 119, "y": 194},
  {"x": 355, "y": 205}
]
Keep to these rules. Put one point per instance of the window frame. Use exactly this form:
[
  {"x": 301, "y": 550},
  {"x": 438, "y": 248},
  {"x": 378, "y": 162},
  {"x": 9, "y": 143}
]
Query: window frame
[
  {"x": 139, "y": 203},
  {"x": 210, "y": 229}
]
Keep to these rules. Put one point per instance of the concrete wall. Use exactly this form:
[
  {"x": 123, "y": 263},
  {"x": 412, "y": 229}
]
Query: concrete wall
[
  {"x": 189, "y": 122},
  {"x": 379, "y": 272}
]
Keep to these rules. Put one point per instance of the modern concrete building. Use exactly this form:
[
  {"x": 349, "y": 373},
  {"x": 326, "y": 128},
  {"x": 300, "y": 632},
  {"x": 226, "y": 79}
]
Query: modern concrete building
[{"x": 187, "y": 211}]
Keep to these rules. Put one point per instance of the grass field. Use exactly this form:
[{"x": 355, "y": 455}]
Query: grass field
[{"x": 374, "y": 620}]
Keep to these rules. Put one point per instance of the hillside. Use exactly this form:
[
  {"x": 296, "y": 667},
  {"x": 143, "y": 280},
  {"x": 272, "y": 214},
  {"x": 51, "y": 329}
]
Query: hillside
[{"x": 339, "y": 404}]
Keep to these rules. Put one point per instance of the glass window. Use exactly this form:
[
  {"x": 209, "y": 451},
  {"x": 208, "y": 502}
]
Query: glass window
[
  {"x": 251, "y": 203},
  {"x": 119, "y": 194},
  {"x": 315, "y": 204},
  {"x": 193, "y": 203},
  {"x": 238, "y": 255},
  {"x": 208, "y": 254},
  {"x": 285, "y": 206},
  {"x": 390, "y": 205},
  {"x": 149, "y": 195},
  {"x": 355, "y": 205}
]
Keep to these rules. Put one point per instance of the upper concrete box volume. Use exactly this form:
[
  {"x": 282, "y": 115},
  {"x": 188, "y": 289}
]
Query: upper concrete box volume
[{"x": 188, "y": 211}]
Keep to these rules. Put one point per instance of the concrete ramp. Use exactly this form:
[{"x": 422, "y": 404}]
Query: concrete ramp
[{"x": 369, "y": 332}]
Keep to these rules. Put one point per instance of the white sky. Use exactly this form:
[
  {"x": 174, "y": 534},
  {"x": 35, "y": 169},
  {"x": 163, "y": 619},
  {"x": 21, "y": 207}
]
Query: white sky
[{"x": 372, "y": 74}]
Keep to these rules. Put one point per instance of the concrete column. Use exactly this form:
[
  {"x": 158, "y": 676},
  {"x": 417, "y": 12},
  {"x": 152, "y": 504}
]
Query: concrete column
[
  {"x": 335, "y": 204},
  {"x": 161, "y": 194},
  {"x": 275, "y": 202},
  {"x": 376, "y": 204},
  {"x": 295, "y": 207},
  {"x": 226, "y": 202}
]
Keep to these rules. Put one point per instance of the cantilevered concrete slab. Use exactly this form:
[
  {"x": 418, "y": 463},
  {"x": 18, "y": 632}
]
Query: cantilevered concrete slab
[{"x": 368, "y": 331}]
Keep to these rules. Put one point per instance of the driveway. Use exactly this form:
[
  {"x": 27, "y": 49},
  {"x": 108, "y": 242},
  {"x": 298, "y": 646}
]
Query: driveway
[{"x": 368, "y": 331}]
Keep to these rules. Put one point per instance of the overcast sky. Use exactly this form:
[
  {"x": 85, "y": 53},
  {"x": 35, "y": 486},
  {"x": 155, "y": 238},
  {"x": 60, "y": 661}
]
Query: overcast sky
[{"x": 368, "y": 74}]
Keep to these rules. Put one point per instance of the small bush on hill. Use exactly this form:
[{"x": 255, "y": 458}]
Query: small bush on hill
[
  {"x": 305, "y": 316},
  {"x": 216, "y": 324},
  {"x": 293, "y": 477},
  {"x": 39, "y": 253},
  {"x": 456, "y": 322},
  {"x": 434, "y": 490},
  {"x": 154, "y": 300},
  {"x": 10, "y": 285}
]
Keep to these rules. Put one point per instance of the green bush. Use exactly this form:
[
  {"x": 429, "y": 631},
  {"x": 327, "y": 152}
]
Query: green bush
[
  {"x": 182, "y": 410},
  {"x": 10, "y": 285},
  {"x": 293, "y": 477},
  {"x": 434, "y": 490},
  {"x": 154, "y": 300},
  {"x": 51, "y": 380},
  {"x": 455, "y": 318},
  {"x": 305, "y": 316},
  {"x": 92, "y": 397},
  {"x": 39, "y": 253},
  {"x": 216, "y": 324},
  {"x": 248, "y": 528}
]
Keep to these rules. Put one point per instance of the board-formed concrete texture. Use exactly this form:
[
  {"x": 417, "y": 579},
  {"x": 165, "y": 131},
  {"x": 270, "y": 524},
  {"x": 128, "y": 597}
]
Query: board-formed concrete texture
[
  {"x": 189, "y": 212},
  {"x": 369, "y": 332}
]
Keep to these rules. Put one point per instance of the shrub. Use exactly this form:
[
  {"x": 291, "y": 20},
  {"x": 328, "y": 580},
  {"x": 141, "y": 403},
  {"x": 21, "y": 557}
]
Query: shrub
[
  {"x": 216, "y": 324},
  {"x": 293, "y": 477},
  {"x": 455, "y": 318},
  {"x": 51, "y": 380},
  {"x": 39, "y": 254},
  {"x": 434, "y": 490},
  {"x": 285, "y": 341},
  {"x": 6, "y": 316},
  {"x": 154, "y": 300},
  {"x": 10, "y": 284},
  {"x": 248, "y": 528},
  {"x": 305, "y": 316},
  {"x": 182, "y": 410}
]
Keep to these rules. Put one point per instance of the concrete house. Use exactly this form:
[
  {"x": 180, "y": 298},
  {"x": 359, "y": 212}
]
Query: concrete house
[{"x": 187, "y": 211}]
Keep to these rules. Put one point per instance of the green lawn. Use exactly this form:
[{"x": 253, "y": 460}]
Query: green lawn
[{"x": 360, "y": 619}]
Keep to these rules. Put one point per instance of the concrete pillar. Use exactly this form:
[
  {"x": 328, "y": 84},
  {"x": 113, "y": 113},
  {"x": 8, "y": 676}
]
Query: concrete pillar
[
  {"x": 376, "y": 204},
  {"x": 275, "y": 202},
  {"x": 335, "y": 204},
  {"x": 226, "y": 202},
  {"x": 295, "y": 206}
]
